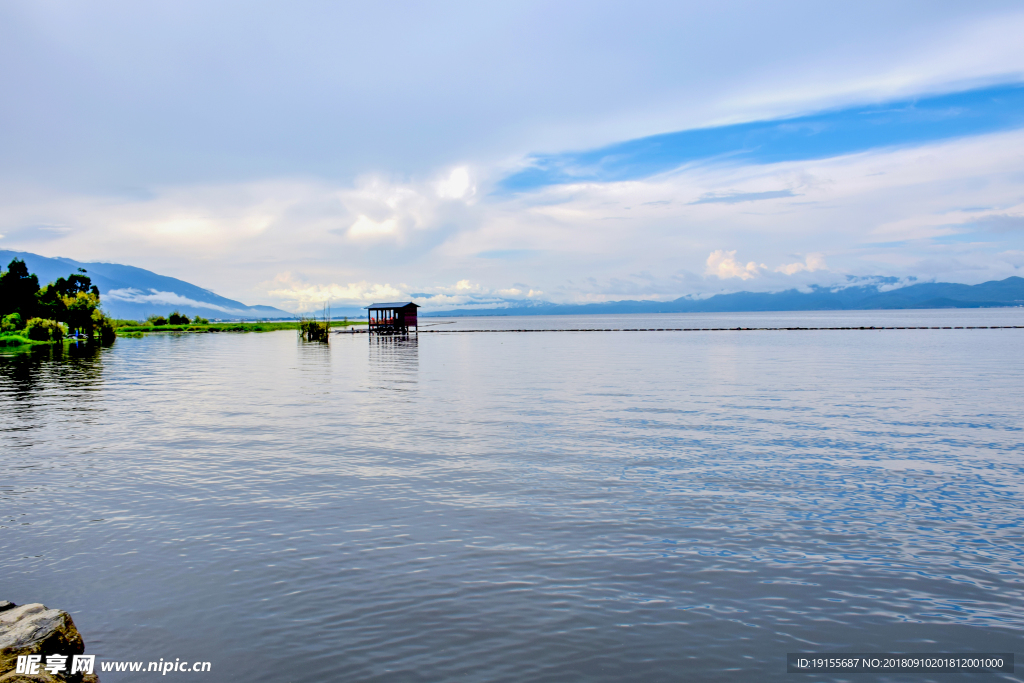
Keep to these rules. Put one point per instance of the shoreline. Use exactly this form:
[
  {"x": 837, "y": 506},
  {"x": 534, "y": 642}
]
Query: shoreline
[{"x": 11, "y": 341}]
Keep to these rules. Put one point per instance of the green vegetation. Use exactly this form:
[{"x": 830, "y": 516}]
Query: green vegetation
[
  {"x": 18, "y": 291},
  {"x": 11, "y": 322},
  {"x": 175, "y": 318},
  {"x": 315, "y": 330},
  {"x": 13, "y": 339},
  {"x": 131, "y": 328},
  {"x": 43, "y": 330},
  {"x": 68, "y": 307}
]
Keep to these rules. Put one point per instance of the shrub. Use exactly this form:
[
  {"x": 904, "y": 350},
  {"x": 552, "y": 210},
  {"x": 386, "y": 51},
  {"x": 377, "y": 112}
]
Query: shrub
[
  {"x": 105, "y": 326},
  {"x": 157, "y": 320},
  {"x": 107, "y": 334},
  {"x": 39, "y": 329},
  {"x": 12, "y": 340},
  {"x": 11, "y": 322},
  {"x": 196, "y": 320},
  {"x": 312, "y": 330},
  {"x": 177, "y": 318}
]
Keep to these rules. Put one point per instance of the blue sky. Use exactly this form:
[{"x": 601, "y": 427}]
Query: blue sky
[
  {"x": 471, "y": 153},
  {"x": 849, "y": 130}
]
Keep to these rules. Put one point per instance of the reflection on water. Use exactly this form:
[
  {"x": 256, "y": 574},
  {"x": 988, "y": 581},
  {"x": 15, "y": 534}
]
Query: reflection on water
[
  {"x": 483, "y": 507},
  {"x": 33, "y": 377},
  {"x": 394, "y": 360}
]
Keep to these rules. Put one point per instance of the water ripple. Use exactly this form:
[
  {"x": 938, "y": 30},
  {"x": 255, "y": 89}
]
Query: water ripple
[{"x": 511, "y": 507}]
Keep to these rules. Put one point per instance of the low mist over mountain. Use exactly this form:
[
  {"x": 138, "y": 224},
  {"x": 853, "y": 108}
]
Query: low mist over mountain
[
  {"x": 1008, "y": 292},
  {"x": 134, "y": 293}
]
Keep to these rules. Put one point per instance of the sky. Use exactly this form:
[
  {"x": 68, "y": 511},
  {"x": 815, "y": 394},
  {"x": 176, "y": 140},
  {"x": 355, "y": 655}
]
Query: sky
[{"x": 480, "y": 154}]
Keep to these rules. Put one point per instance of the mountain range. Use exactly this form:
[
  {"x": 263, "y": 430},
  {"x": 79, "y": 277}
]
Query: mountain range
[
  {"x": 997, "y": 293},
  {"x": 135, "y": 293}
]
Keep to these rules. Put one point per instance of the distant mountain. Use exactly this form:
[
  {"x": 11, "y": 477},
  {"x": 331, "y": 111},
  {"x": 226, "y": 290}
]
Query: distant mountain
[
  {"x": 1008, "y": 292},
  {"x": 134, "y": 294}
]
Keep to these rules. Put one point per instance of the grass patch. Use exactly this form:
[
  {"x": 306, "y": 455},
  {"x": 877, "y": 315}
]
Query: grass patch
[
  {"x": 135, "y": 331},
  {"x": 8, "y": 339},
  {"x": 18, "y": 340},
  {"x": 130, "y": 330}
]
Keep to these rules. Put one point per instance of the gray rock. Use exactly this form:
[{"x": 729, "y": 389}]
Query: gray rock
[
  {"x": 36, "y": 630},
  {"x": 6, "y": 604}
]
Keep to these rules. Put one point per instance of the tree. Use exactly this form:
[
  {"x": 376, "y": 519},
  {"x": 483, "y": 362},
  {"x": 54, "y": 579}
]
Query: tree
[
  {"x": 11, "y": 322},
  {"x": 56, "y": 296},
  {"x": 104, "y": 325},
  {"x": 73, "y": 300},
  {"x": 79, "y": 311},
  {"x": 39, "y": 329},
  {"x": 18, "y": 290}
]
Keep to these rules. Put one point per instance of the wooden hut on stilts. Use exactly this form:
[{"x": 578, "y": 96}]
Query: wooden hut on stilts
[{"x": 396, "y": 317}]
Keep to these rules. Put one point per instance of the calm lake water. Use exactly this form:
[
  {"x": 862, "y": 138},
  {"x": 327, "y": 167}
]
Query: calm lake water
[{"x": 525, "y": 507}]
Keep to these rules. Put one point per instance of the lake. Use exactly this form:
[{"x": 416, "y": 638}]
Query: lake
[{"x": 560, "y": 506}]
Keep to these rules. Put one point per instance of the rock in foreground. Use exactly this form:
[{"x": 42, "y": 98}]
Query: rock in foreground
[{"x": 37, "y": 630}]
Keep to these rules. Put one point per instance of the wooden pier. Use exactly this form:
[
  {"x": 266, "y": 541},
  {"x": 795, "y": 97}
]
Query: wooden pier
[{"x": 727, "y": 329}]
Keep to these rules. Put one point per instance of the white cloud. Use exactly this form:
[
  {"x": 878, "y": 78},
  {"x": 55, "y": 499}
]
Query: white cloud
[
  {"x": 810, "y": 264},
  {"x": 879, "y": 213},
  {"x": 366, "y": 227},
  {"x": 153, "y": 296},
  {"x": 517, "y": 293},
  {"x": 297, "y": 295},
  {"x": 457, "y": 185},
  {"x": 723, "y": 264}
]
